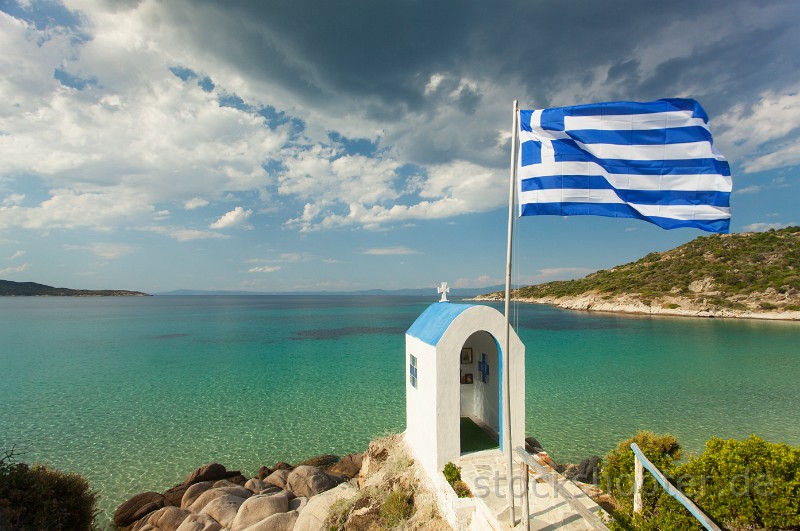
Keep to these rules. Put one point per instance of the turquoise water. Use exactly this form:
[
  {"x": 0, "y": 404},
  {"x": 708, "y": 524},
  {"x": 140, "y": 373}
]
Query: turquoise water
[{"x": 136, "y": 392}]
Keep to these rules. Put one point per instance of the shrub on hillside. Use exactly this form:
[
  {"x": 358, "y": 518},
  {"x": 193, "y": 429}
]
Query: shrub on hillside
[
  {"x": 38, "y": 497},
  {"x": 750, "y": 484},
  {"x": 617, "y": 474}
]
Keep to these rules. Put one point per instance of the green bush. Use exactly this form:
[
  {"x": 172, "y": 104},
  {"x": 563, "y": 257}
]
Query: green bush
[
  {"x": 38, "y": 497},
  {"x": 462, "y": 490},
  {"x": 750, "y": 484},
  {"x": 616, "y": 474},
  {"x": 452, "y": 474}
]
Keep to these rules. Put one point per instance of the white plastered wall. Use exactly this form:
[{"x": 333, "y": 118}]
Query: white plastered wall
[
  {"x": 479, "y": 399},
  {"x": 433, "y": 409}
]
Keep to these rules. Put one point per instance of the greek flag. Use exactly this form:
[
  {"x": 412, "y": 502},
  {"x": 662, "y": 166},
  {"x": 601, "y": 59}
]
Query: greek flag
[{"x": 653, "y": 161}]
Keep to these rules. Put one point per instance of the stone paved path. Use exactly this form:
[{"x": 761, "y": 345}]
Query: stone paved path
[{"x": 485, "y": 474}]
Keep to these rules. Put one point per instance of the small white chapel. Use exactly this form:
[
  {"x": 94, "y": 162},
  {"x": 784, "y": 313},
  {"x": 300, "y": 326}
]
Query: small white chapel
[{"x": 454, "y": 381}]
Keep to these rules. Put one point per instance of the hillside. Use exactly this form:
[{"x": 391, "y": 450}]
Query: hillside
[
  {"x": 748, "y": 275},
  {"x": 9, "y": 288}
]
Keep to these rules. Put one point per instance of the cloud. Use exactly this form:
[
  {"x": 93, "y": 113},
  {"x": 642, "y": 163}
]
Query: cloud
[
  {"x": 194, "y": 203},
  {"x": 765, "y": 135},
  {"x": 16, "y": 255},
  {"x": 236, "y": 218},
  {"x": 11, "y": 200},
  {"x": 18, "y": 269},
  {"x": 108, "y": 251},
  {"x": 72, "y": 208},
  {"x": 449, "y": 190},
  {"x": 752, "y": 189},
  {"x": 264, "y": 269},
  {"x": 390, "y": 251},
  {"x": 129, "y": 136},
  {"x": 282, "y": 258},
  {"x": 764, "y": 227},
  {"x": 325, "y": 126},
  {"x": 183, "y": 234}
]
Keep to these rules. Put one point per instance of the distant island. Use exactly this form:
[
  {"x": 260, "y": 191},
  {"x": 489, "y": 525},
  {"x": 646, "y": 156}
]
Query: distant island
[
  {"x": 752, "y": 275},
  {"x": 10, "y": 288}
]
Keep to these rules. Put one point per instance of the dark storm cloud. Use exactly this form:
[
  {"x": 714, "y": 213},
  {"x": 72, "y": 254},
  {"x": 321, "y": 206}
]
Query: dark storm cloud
[
  {"x": 374, "y": 60},
  {"x": 388, "y": 50}
]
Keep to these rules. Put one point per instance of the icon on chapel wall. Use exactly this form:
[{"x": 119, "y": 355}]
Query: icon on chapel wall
[
  {"x": 466, "y": 378},
  {"x": 466, "y": 356}
]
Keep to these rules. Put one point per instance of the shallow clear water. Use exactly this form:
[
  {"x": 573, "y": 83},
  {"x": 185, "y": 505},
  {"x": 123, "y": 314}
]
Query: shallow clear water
[{"x": 136, "y": 392}]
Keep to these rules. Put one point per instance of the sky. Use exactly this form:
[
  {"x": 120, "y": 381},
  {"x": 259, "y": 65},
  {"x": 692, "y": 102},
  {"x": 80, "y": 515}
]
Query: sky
[{"x": 315, "y": 145}]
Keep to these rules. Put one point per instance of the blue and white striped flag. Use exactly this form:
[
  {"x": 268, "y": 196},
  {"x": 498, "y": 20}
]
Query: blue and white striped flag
[{"x": 653, "y": 161}]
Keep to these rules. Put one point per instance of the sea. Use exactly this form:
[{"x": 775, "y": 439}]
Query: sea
[{"x": 136, "y": 392}]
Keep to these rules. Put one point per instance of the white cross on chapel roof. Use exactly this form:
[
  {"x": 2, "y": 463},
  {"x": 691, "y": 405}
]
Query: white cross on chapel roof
[{"x": 444, "y": 290}]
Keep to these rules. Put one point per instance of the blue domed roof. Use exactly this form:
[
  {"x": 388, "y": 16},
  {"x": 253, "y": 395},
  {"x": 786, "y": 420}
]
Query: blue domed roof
[{"x": 431, "y": 325}]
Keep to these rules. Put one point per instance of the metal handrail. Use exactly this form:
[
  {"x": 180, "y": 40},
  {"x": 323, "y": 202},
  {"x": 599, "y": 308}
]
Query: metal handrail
[
  {"x": 642, "y": 462},
  {"x": 529, "y": 462}
]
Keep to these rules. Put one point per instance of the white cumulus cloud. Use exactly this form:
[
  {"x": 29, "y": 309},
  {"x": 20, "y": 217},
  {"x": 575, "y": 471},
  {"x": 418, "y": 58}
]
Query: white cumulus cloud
[
  {"x": 264, "y": 269},
  {"x": 194, "y": 203},
  {"x": 236, "y": 218},
  {"x": 18, "y": 269}
]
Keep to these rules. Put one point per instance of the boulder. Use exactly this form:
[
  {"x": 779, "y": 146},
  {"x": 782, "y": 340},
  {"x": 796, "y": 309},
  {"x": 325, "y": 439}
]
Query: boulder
[
  {"x": 280, "y": 465},
  {"x": 271, "y": 489},
  {"x": 276, "y": 522},
  {"x": 264, "y": 471},
  {"x": 315, "y": 513},
  {"x": 138, "y": 507},
  {"x": 164, "y": 519},
  {"x": 194, "y": 492},
  {"x": 223, "y": 509},
  {"x": 278, "y": 478},
  {"x": 532, "y": 445},
  {"x": 237, "y": 479},
  {"x": 258, "y": 508},
  {"x": 255, "y": 485},
  {"x": 209, "y": 472},
  {"x": 223, "y": 483},
  {"x": 309, "y": 481},
  {"x": 174, "y": 495},
  {"x": 298, "y": 504},
  {"x": 321, "y": 461},
  {"x": 349, "y": 465},
  {"x": 199, "y": 522},
  {"x": 212, "y": 494},
  {"x": 587, "y": 470}
]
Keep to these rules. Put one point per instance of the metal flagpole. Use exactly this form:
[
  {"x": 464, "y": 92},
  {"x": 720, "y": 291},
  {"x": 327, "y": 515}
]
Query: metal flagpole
[{"x": 508, "y": 448}]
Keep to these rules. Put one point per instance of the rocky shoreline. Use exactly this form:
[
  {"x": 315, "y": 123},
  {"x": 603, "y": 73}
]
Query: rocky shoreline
[
  {"x": 314, "y": 495},
  {"x": 631, "y": 305},
  {"x": 382, "y": 488}
]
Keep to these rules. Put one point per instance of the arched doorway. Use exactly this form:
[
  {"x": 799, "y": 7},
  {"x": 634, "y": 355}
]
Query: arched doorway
[{"x": 480, "y": 396}]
